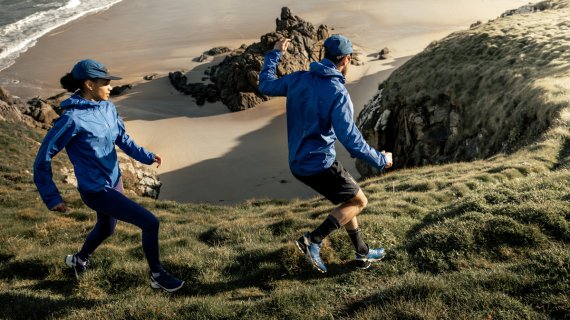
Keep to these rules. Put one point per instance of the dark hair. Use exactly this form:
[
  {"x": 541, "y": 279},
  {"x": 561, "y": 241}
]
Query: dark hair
[
  {"x": 334, "y": 59},
  {"x": 69, "y": 83}
]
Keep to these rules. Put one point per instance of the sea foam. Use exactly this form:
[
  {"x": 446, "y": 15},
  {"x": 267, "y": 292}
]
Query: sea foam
[{"x": 17, "y": 37}]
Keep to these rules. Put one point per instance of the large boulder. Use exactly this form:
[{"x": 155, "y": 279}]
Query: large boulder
[
  {"x": 476, "y": 93},
  {"x": 9, "y": 110},
  {"x": 236, "y": 77}
]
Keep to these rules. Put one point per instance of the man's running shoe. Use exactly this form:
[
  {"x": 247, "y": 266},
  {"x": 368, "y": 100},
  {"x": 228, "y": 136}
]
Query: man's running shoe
[
  {"x": 72, "y": 261},
  {"x": 311, "y": 251},
  {"x": 163, "y": 280},
  {"x": 365, "y": 260}
]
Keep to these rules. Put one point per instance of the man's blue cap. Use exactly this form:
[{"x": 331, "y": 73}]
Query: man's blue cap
[
  {"x": 338, "y": 45},
  {"x": 91, "y": 69}
]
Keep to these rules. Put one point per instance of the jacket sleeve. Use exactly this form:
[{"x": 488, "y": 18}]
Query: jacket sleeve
[
  {"x": 348, "y": 134},
  {"x": 55, "y": 140},
  {"x": 268, "y": 82},
  {"x": 127, "y": 144}
]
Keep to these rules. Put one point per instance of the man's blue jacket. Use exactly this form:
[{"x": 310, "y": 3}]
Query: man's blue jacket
[
  {"x": 88, "y": 130},
  {"x": 319, "y": 111}
]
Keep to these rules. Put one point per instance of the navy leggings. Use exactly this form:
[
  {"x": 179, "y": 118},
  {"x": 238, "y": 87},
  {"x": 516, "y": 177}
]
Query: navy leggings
[{"x": 111, "y": 205}]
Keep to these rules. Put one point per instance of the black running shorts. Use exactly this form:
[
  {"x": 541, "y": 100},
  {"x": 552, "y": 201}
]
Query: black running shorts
[{"x": 335, "y": 183}]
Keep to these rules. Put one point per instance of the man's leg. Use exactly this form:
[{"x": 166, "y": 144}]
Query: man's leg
[{"x": 343, "y": 215}]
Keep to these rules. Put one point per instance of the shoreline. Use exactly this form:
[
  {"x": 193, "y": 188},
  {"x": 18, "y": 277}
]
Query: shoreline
[{"x": 212, "y": 155}]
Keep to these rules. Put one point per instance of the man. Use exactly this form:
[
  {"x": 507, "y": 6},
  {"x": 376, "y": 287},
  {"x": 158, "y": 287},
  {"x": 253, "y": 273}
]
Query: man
[{"x": 319, "y": 111}]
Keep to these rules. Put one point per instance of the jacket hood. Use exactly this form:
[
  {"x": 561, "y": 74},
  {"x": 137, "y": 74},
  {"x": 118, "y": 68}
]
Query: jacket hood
[
  {"x": 326, "y": 69},
  {"x": 78, "y": 102}
]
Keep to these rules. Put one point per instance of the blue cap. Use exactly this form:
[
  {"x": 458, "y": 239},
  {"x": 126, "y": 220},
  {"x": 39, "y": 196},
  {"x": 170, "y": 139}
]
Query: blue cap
[
  {"x": 91, "y": 69},
  {"x": 338, "y": 45}
]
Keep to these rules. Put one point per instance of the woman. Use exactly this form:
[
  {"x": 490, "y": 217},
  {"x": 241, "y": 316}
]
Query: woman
[{"x": 89, "y": 129}]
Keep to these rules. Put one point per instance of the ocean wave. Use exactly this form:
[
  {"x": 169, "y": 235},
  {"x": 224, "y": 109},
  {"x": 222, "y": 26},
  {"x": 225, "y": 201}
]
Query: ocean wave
[{"x": 17, "y": 37}]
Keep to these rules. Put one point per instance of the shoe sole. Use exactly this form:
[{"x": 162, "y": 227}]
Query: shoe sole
[
  {"x": 156, "y": 285},
  {"x": 368, "y": 262},
  {"x": 303, "y": 249}
]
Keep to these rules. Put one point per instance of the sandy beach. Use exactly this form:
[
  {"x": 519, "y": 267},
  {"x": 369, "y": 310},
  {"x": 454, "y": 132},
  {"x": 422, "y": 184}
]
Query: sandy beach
[{"x": 212, "y": 155}]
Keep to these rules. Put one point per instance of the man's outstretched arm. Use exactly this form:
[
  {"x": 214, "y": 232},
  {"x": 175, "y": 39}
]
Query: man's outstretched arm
[{"x": 268, "y": 82}]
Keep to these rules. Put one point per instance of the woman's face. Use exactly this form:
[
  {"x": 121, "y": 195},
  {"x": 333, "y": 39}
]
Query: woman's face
[{"x": 98, "y": 89}]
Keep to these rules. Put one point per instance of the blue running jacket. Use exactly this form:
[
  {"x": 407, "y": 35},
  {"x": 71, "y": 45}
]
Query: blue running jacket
[
  {"x": 89, "y": 131},
  {"x": 319, "y": 111}
]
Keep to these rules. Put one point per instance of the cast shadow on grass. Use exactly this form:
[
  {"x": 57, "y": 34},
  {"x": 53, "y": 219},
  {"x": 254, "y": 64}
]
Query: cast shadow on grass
[
  {"x": 27, "y": 269},
  {"x": 563, "y": 159},
  {"x": 36, "y": 270},
  {"x": 255, "y": 269},
  {"x": 21, "y": 306}
]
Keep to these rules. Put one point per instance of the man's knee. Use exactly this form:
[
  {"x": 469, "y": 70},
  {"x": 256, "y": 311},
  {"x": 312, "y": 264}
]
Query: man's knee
[{"x": 359, "y": 200}]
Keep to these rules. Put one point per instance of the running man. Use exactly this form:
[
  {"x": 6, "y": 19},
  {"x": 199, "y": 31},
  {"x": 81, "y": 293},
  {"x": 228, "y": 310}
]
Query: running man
[{"x": 319, "y": 111}]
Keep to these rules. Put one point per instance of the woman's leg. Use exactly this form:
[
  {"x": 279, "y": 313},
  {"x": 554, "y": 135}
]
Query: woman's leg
[
  {"x": 115, "y": 205},
  {"x": 104, "y": 228}
]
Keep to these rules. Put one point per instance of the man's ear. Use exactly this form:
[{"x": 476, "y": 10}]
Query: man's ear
[{"x": 346, "y": 60}]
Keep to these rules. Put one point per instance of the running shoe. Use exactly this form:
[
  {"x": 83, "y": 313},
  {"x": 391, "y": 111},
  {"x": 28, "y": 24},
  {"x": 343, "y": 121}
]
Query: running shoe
[
  {"x": 163, "y": 280},
  {"x": 311, "y": 251},
  {"x": 365, "y": 260}
]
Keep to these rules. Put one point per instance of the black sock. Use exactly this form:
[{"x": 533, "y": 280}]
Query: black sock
[
  {"x": 329, "y": 225},
  {"x": 356, "y": 238}
]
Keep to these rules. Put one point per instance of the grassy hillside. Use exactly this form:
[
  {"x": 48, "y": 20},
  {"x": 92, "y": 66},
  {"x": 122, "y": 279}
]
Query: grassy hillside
[
  {"x": 493, "y": 88},
  {"x": 488, "y": 239},
  {"x": 482, "y": 240}
]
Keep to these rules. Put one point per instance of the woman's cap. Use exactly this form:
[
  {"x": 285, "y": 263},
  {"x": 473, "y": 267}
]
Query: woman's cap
[
  {"x": 91, "y": 69},
  {"x": 338, "y": 45}
]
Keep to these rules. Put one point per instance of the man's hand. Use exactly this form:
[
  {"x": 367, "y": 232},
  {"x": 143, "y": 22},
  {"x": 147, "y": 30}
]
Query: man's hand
[
  {"x": 282, "y": 45},
  {"x": 60, "y": 207},
  {"x": 157, "y": 160},
  {"x": 389, "y": 162}
]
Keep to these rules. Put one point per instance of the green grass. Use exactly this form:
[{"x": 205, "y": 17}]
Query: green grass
[{"x": 486, "y": 239}]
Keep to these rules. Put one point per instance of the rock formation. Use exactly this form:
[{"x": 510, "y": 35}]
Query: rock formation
[
  {"x": 529, "y": 8},
  {"x": 236, "y": 77},
  {"x": 474, "y": 94}
]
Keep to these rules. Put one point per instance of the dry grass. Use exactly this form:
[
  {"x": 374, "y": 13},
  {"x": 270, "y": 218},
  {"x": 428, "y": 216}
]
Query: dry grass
[{"x": 487, "y": 239}]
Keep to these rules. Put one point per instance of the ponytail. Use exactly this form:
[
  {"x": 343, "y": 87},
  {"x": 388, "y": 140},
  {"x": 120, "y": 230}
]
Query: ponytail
[{"x": 69, "y": 83}]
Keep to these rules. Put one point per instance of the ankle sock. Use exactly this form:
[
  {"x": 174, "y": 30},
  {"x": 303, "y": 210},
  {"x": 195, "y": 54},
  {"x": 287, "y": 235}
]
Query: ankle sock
[
  {"x": 356, "y": 237},
  {"x": 329, "y": 225}
]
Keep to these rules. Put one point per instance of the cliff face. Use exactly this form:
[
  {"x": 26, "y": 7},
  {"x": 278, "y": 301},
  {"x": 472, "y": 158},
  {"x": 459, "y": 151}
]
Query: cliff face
[{"x": 494, "y": 88}]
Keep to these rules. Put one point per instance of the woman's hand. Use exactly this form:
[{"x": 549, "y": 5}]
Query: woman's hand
[
  {"x": 157, "y": 160},
  {"x": 60, "y": 207}
]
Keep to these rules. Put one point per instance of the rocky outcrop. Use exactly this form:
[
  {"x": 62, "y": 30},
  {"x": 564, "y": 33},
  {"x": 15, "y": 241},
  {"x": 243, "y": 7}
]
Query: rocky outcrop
[
  {"x": 40, "y": 113},
  {"x": 488, "y": 90},
  {"x": 202, "y": 92},
  {"x": 236, "y": 77},
  {"x": 9, "y": 109},
  {"x": 529, "y": 8},
  {"x": 118, "y": 90},
  {"x": 35, "y": 113},
  {"x": 217, "y": 51}
]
